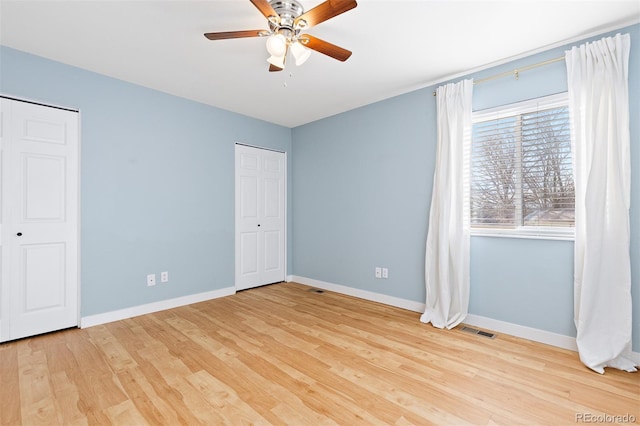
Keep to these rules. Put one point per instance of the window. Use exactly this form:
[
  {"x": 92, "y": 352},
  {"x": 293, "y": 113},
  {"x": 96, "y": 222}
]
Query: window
[{"x": 521, "y": 170}]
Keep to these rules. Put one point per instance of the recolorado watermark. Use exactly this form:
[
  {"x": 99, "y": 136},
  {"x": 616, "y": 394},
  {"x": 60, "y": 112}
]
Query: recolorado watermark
[{"x": 605, "y": 418}]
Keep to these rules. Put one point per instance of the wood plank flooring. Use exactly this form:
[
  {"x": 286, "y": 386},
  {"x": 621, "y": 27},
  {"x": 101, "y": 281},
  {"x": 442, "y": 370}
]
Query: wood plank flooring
[{"x": 283, "y": 354}]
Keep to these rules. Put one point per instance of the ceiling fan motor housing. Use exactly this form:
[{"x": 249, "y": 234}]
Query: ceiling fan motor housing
[{"x": 288, "y": 11}]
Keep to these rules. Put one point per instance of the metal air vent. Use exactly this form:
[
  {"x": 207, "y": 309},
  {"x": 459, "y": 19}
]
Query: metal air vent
[{"x": 478, "y": 332}]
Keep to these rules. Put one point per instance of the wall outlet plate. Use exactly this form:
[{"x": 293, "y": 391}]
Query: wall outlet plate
[
  {"x": 378, "y": 272},
  {"x": 164, "y": 277},
  {"x": 385, "y": 272},
  {"x": 151, "y": 279}
]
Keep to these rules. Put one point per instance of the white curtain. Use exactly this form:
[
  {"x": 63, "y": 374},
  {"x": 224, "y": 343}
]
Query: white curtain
[
  {"x": 599, "y": 107},
  {"x": 447, "y": 254}
]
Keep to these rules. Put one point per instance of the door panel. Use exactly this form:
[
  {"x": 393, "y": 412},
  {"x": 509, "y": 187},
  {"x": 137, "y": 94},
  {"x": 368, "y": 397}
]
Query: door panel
[
  {"x": 272, "y": 259},
  {"x": 260, "y": 213},
  {"x": 44, "y": 191},
  {"x": 248, "y": 254},
  {"x": 40, "y": 128},
  {"x": 272, "y": 198},
  {"x": 248, "y": 161},
  {"x": 249, "y": 197},
  {"x": 43, "y": 277},
  {"x": 39, "y": 287}
]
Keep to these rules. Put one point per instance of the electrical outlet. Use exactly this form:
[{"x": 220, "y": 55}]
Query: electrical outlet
[
  {"x": 151, "y": 279},
  {"x": 164, "y": 277},
  {"x": 378, "y": 272},
  {"x": 385, "y": 272}
]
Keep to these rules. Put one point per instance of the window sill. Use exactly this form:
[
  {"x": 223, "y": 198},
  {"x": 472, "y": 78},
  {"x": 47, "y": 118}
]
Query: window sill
[{"x": 527, "y": 233}]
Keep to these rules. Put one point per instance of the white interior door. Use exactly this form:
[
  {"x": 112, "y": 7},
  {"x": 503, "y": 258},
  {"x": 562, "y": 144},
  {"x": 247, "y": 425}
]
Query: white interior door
[
  {"x": 39, "y": 235},
  {"x": 260, "y": 216}
]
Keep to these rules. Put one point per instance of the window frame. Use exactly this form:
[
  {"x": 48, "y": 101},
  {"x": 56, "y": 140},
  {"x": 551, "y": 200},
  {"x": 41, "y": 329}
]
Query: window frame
[{"x": 510, "y": 110}]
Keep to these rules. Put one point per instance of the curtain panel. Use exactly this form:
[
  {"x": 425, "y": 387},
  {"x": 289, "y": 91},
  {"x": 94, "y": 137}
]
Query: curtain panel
[
  {"x": 448, "y": 237},
  {"x": 599, "y": 108}
]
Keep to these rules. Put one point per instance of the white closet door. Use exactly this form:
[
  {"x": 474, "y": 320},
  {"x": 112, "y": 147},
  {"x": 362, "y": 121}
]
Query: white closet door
[
  {"x": 39, "y": 287},
  {"x": 260, "y": 217}
]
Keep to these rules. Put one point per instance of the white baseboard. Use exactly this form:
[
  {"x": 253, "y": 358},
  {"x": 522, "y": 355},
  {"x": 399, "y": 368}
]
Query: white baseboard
[
  {"x": 529, "y": 333},
  {"x": 362, "y": 294},
  {"x": 92, "y": 320}
]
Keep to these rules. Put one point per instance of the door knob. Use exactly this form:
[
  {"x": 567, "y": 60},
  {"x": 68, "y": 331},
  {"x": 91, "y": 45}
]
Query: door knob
[{"x": 19, "y": 234}]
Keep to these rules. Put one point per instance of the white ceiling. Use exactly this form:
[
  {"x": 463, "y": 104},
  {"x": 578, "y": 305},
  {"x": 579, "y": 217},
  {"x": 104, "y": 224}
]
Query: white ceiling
[{"x": 398, "y": 46}]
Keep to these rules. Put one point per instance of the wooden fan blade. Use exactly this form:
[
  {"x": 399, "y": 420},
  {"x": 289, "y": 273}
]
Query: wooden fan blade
[
  {"x": 235, "y": 34},
  {"x": 325, "y": 11},
  {"x": 325, "y": 47},
  {"x": 273, "y": 68},
  {"x": 265, "y": 8}
]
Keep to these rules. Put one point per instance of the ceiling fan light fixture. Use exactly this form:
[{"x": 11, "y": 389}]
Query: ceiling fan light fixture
[
  {"x": 300, "y": 53},
  {"x": 276, "y": 61},
  {"x": 277, "y": 45}
]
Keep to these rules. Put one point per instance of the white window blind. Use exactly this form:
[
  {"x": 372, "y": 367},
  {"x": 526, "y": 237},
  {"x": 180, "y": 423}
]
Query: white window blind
[{"x": 521, "y": 168}]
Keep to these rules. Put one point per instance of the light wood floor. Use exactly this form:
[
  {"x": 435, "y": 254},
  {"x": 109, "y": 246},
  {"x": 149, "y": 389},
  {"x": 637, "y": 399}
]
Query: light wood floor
[{"x": 283, "y": 354}]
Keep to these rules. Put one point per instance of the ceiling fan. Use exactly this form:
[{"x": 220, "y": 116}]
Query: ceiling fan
[{"x": 287, "y": 19}]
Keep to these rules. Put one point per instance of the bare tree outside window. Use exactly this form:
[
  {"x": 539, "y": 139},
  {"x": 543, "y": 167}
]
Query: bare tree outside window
[
  {"x": 521, "y": 171},
  {"x": 494, "y": 174}
]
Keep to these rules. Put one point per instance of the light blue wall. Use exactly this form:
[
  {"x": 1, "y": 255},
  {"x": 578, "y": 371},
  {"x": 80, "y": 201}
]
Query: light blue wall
[
  {"x": 157, "y": 181},
  {"x": 360, "y": 195},
  {"x": 363, "y": 189}
]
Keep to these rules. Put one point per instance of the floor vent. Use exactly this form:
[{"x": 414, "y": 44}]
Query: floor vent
[
  {"x": 478, "y": 332},
  {"x": 316, "y": 290}
]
